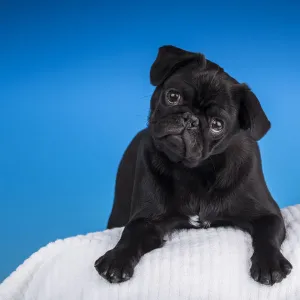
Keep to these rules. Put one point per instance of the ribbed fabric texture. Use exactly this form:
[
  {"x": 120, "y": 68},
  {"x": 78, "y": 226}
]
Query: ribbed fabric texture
[{"x": 211, "y": 264}]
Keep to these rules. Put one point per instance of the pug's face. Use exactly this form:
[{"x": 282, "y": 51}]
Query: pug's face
[
  {"x": 193, "y": 117},
  {"x": 197, "y": 108}
]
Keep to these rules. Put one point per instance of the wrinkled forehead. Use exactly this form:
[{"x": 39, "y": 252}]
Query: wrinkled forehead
[{"x": 203, "y": 86}]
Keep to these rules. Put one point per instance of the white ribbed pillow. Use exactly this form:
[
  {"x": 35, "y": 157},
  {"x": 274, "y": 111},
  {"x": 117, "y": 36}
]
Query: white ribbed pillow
[{"x": 193, "y": 264}]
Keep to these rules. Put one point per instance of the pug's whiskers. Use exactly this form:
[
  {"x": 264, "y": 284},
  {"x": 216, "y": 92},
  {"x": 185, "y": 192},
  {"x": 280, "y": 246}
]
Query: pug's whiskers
[{"x": 146, "y": 96}]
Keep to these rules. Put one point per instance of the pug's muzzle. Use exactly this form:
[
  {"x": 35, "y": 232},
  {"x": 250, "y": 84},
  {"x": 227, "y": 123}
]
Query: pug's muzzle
[{"x": 179, "y": 137}]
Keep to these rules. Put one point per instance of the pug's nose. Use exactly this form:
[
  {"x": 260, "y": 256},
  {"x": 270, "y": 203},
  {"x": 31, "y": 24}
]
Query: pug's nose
[{"x": 190, "y": 121}]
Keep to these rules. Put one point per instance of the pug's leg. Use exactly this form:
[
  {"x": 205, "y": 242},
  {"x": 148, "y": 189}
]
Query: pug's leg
[
  {"x": 139, "y": 237},
  {"x": 268, "y": 264}
]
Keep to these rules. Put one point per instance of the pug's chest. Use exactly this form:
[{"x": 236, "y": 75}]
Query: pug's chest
[{"x": 199, "y": 207}]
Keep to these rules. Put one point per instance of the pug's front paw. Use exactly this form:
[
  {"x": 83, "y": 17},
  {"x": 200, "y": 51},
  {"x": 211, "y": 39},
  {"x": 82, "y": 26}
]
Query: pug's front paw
[
  {"x": 115, "y": 266},
  {"x": 269, "y": 268}
]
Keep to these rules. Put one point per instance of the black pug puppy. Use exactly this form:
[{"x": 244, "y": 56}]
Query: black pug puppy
[{"x": 197, "y": 165}]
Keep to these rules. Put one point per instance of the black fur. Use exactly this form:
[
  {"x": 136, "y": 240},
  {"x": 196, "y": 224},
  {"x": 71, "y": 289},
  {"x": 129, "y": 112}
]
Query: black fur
[{"x": 179, "y": 167}]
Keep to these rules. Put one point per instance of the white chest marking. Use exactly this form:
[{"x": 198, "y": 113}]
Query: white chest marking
[{"x": 196, "y": 222}]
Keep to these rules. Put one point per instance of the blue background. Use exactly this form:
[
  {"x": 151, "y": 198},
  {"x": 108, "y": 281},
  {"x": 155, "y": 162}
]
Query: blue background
[{"x": 74, "y": 89}]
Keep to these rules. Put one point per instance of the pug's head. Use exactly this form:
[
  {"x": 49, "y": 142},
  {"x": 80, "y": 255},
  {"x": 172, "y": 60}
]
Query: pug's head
[{"x": 197, "y": 108}]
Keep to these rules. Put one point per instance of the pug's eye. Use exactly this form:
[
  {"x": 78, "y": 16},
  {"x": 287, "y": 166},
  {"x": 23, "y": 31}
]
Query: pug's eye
[
  {"x": 173, "y": 97},
  {"x": 216, "y": 125}
]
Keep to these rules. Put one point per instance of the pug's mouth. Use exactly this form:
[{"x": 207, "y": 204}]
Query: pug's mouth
[
  {"x": 175, "y": 143},
  {"x": 179, "y": 148}
]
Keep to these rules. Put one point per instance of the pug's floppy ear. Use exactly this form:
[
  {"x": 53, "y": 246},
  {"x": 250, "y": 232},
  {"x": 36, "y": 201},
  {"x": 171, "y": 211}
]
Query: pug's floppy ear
[
  {"x": 251, "y": 115},
  {"x": 168, "y": 60}
]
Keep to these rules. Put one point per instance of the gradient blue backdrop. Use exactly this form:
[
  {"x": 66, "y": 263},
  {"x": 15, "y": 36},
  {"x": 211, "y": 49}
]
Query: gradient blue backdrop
[{"x": 74, "y": 89}]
